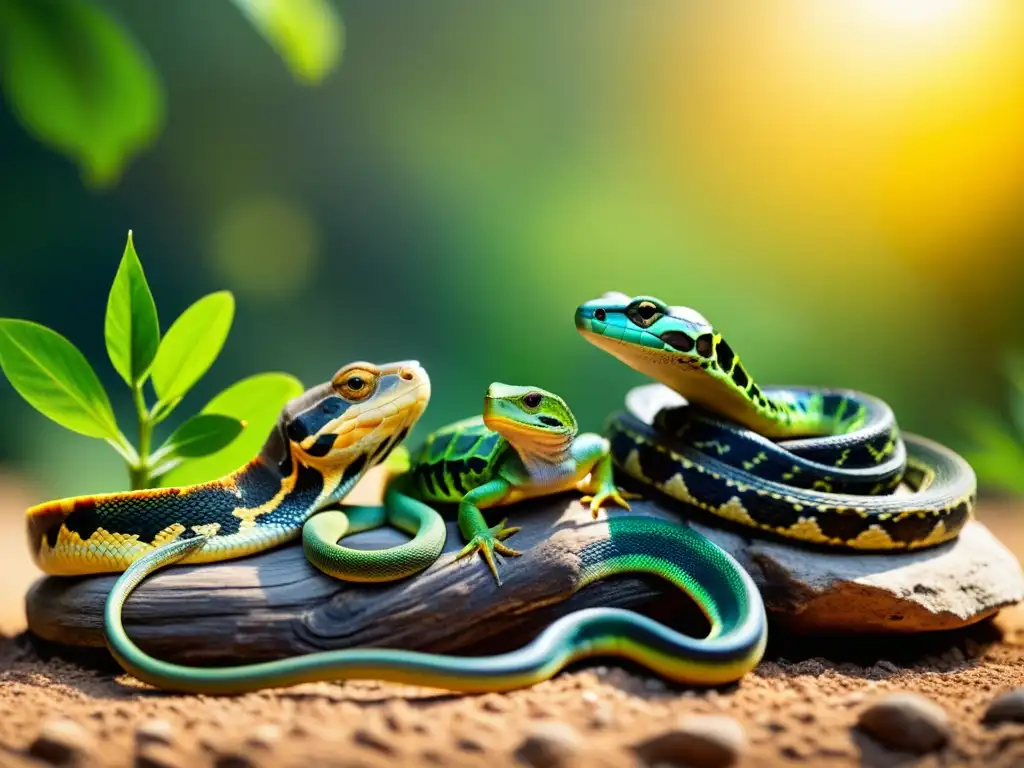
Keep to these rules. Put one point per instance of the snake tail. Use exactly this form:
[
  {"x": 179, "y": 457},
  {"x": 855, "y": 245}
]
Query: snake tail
[
  {"x": 716, "y": 582},
  {"x": 321, "y": 533}
]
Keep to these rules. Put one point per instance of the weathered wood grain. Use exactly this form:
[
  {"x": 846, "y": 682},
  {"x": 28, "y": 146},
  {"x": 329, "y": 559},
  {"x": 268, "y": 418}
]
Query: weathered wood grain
[{"x": 276, "y": 604}]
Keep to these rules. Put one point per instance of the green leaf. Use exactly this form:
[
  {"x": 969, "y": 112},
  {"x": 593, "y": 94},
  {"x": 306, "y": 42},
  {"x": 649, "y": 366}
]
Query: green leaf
[
  {"x": 79, "y": 83},
  {"x": 55, "y": 378},
  {"x": 132, "y": 329},
  {"x": 257, "y": 401},
  {"x": 307, "y": 34},
  {"x": 200, "y": 436},
  {"x": 191, "y": 345}
]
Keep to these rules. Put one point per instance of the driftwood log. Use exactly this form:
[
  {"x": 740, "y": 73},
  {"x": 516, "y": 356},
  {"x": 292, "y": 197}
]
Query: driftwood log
[{"x": 276, "y": 604}]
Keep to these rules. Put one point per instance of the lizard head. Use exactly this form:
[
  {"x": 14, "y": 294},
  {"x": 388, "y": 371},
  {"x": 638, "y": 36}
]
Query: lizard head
[
  {"x": 530, "y": 418},
  {"x": 351, "y": 422}
]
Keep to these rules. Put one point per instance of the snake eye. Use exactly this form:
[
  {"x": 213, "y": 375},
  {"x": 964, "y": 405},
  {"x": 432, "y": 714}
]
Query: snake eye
[
  {"x": 532, "y": 400},
  {"x": 644, "y": 313},
  {"x": 600, "y": 315},
  {"x": 355, "y": 384}
]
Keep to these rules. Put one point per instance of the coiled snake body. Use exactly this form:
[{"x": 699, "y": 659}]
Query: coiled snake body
[{"x": 811, "y": 464}]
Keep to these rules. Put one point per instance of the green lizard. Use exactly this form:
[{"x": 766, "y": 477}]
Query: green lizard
[{"x": 526, "y": 444}]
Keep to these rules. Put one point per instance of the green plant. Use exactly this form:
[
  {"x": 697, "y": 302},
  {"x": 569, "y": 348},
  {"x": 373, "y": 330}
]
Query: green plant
[
  {"x": 998, "y": 453},
  {"x": 78, "y": 82},
  {"x": 54, "y": 377}
]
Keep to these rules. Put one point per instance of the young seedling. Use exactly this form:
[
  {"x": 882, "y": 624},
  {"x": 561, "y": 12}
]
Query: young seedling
[{"x": 54, "y": 377}]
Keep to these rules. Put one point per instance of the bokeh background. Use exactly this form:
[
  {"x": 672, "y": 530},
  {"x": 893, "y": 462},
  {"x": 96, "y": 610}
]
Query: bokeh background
[{"x": 838, "y": 186}]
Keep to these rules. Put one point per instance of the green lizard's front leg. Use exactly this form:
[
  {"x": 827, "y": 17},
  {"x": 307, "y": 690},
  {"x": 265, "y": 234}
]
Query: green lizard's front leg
[
  {"x": 474, "y": 528},
  {"x": 593, "y": 453}
]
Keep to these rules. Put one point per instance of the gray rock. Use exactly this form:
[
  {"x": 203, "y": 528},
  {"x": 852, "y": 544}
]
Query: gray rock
[
  {"x": 701, "y": 741},
  {"x": 906, "y": 722},
  {"x": 549, "y": 745},
  {"x": 947, "y": 587},
  {"x": 1007, "y": 708}
]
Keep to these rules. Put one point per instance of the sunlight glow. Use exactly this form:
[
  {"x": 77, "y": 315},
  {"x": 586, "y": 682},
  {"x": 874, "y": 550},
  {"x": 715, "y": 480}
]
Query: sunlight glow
[{"x": 917, "y": 13}]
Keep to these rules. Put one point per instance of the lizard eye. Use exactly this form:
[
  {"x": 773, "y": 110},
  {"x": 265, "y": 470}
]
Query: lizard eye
[
  {"x": 532, "y": 400},
  {"x": 355, "y": 384}
]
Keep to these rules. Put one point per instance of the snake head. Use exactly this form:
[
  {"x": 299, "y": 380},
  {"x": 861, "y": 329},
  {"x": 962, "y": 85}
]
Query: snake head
[
  {"x": 363, "y": 412},
  {"x": 645, "y": 332},
  {"x": 529, "y": 418}
]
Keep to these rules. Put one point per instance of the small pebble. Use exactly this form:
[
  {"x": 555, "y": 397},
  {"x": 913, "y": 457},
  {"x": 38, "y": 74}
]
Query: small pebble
[
  {"x": 373, "y": 740},
  {"x": 539, "y": 710},
  {"x": 702, "y": 741},
  {"x": 153, "y": 755},
  {"x": 494, "y": 702},
  {"x": 62, "y": 742},
  {"x": 469, "y": 744},
  {"x": 1007, "y": 708},
  {"x": 907, "y": 722},
  {"x": 549, "y": 745},
  {"x": 234, "y": 760},
  {"x": 654, "y": 684},
  {"x": 154, "y": 731},
  {"x": 264, "y": 736},
  {"x": 589, "y": 696}
]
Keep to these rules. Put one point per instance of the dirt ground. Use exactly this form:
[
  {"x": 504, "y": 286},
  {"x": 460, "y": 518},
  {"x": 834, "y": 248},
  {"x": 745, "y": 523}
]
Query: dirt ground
[{"x": 798, "y": 708}]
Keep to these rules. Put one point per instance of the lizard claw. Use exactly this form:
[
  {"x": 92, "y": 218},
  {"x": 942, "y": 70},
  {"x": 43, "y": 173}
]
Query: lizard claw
[
  {"x": 614, "y": 494},
  {"x": 488, "y": 543}
]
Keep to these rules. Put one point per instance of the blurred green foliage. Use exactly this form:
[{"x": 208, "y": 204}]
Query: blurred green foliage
[
  {"x": 80, "y": 83},
  {"x": 997, "y": 451},
  {"x": 825, "y": 182}
]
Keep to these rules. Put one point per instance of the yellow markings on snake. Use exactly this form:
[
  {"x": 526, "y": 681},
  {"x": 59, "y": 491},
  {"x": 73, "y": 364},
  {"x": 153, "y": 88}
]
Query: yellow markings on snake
[
  {"x": 720, "y": 448},
  {"x": 760, "y": 457},
  {"x": 734, "y": 510},
  {"x": 249, "y": 515},
  {"x": 938, "y": 535},
  {"x": 633, "y": 464},
  {"x": 168, "y": 534},
  {"x": 677, "y": 488},
  {"x": 806, "y": 529},
  {"x": 873, "y": 537},
  {"x": 73, "y": 555},
  {"x": 882, "y": 452}
]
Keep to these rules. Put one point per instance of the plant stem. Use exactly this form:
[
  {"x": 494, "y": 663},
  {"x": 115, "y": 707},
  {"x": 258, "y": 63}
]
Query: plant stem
[{"x": 139, "y": 473}]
